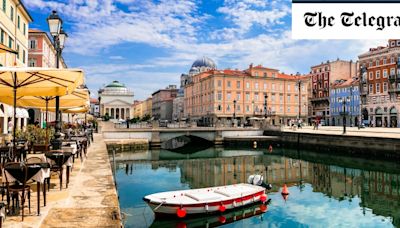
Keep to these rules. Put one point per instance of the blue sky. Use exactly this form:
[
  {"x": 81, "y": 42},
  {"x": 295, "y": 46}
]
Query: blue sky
[{"x": 147, "y": 44}]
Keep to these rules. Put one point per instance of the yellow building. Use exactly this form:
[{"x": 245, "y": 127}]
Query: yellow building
[
  {"x": 14, "y": 26},
  {"x": 220, "y": 95},
  {"x": 142, "y": 108}
]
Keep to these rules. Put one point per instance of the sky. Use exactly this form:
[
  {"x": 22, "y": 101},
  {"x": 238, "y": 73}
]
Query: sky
[{"x": 148, "y": 44}]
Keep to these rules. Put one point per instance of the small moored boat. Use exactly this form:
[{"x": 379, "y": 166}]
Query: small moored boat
[{"x": 208, "y": 200}]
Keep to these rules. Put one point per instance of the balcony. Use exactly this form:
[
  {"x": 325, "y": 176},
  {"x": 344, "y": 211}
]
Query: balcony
[{"x": 320, "y": 99}]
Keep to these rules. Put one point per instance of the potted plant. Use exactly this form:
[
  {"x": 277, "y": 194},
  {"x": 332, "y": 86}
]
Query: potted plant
[{"x": 40, "y": 141}]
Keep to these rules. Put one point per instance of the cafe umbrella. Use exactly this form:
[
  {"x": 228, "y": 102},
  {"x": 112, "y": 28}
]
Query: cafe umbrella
[
  {"x": 35, "y": 81},
  {"x": 78, "y": 97}
]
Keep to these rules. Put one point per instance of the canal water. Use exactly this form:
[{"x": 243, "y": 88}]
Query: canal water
[{"x": 325, "y": 190}]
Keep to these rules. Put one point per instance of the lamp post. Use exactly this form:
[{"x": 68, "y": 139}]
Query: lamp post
[
  {"x": 234, "y": 112},
  {"x": 344, "y": 101},
  {"x": 299, "y": 85},
  {"x": 265, "y": 105},
  {"x": 59, "y": 36}
]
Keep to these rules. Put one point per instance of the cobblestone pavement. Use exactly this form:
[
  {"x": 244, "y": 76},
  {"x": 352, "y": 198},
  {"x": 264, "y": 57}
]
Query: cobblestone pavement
[{"x": 90, "y": 200}]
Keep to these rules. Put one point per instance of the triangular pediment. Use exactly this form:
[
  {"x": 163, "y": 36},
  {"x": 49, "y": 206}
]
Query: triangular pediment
[{"x": 117, "y": 102}]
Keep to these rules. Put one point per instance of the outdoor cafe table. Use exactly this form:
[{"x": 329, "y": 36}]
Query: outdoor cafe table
[
  {"x": 70, "y": 146},
  {"x": 60, "y": 159},
  {"x": 36, "y": 171}
]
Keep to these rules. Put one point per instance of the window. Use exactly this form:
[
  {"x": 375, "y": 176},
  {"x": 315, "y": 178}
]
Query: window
[
  {"x": 238, "y": 107},
  {"x": 219, "y": 96},
  {"x": 24, "y": 29},
  {"x": 378, "y": 87},
  {"x": 247, "y": 96},
  {"x": 256, "y": 74},
  {"x": 228, "y": 108},
  {"x": 265, "y": 86},
  {"x": 265, "y": 74},
  {"x": 377, "y": 63},
  {"x": 288, "y": 98},
  {"x": 273, "y": 97},
  {"x": 392, "y": 71},
  {"x": 247, "y": 85},
  {"x": 378, "y": 74},
  {"x": 273, "y": 87},
  {"x": 392, "y": 60},
  {"x": 19, "y": 22},
  {"x": 10, "y": 42},
  {"x": 238, "y": 96},
  {"x": 12, "y": 13},
  {"x": 384, "y": 74},
  {"x": 384, "y": 61},
  {"x": 229, "y": 96},
  {"x": 370, "y": 64},
  {"x": 219, "y": 108},
  {"x": 385, "y": 87},
  {"x": 229, "y": 84},
  {"x": 219, "y": 83},
  {"x": 288, "y": 87},
  {"x": 288, "y": 109},
  {"x": 273, "y": 75},
  {"x": 371, "y": 76},
  {"x": 23, "y": 56},
  {"x": 256, "y": 96},
  {"x": 17, "y": 51},
  {"x": 256, "y": 85},
  {"x": 281, "y": 98},
  {"x": 2, "y": 40},
  {"x": 247, "y": 108},
  {"x": 238, "y": 84}
]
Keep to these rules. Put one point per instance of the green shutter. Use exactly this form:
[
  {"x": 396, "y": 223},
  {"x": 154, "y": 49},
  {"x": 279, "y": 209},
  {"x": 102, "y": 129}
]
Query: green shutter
[
  {"x": 19, "y": 22},
  {"x": 4, "y": 5},
  {"x": 23, "y": 56},
  {"x": 18, "y": 51},
  {"x": 12, "y": 13},
  {"x": 2, "y": 36}
]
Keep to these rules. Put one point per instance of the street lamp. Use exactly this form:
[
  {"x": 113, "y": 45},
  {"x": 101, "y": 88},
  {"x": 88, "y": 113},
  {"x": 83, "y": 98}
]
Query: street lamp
[
  {"x": 59, "y": 37},
  {"x": 265, "y": 105},
  {"x": 344, "y": 101},
  {"x": 299, "y": 85},
  {"x": 234, "y": 110}
]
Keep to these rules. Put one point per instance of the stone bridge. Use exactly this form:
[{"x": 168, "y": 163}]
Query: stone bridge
[{"x": 156, "y": 136}]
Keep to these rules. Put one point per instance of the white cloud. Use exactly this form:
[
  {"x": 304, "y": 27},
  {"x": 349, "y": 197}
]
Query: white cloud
[{"x": 116, "y": 57}]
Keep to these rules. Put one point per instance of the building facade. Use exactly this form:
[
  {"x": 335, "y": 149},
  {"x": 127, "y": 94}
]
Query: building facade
[
  {"x": 41, "y": 51},
  {"x": 94, "y": 107},
  {"x": 323, "y": 76},
  {"x": 14, "y": 26},
  {"x": 345, "y": 90},
  {"x": 162, "y": 103},
  {"x": 221, "y": 95},
  {"x": 116, "y": 101},
  {"x": 380, "y": 85}
]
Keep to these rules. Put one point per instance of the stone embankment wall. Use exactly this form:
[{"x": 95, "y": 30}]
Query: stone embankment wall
[{"x": 341, "y": 144}]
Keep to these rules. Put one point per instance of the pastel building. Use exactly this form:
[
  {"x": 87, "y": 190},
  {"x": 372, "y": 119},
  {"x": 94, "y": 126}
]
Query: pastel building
[
  {"x": 162, "y": 103},
  {"x": 14, "y": 25},
  {"x": 323, "y": 76},
  {"x": 345, "y": 90},
  {"x": 219, "y": 95},
  {"x": 380, "y": 84}
]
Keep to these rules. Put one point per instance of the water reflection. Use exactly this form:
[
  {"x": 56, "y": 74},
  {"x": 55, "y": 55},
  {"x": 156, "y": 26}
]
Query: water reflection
[{"x": 337, "y": 191}]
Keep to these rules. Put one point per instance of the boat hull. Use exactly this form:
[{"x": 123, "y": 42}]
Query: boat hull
[{"x": 202, "y": 207}]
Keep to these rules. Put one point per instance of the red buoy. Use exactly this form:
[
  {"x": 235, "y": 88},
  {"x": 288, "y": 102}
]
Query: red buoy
[
  {"x": 263, "y": 198},
  {"x": 263, "y": 207},
  {"x": 222, "y": 219},
  {"x": 222, "y": 208},
  {"x": 181, "y": 212},
  {"x": 181, "y": 225},
  {"x": 270, "y": 148},
  {"x": 285, "y": 190}
]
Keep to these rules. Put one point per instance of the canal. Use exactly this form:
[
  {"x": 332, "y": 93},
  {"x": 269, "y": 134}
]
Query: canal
[{"x": 325, "y": 190}]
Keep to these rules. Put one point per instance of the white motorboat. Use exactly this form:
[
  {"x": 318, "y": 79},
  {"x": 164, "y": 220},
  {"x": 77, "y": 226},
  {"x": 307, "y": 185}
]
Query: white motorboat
[{"x": 207, "y": 200}]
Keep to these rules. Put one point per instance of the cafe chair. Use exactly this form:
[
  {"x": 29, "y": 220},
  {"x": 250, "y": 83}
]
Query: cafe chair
[
  {"x": 18, "y": 190},
  {"x": 56, "y": 168}
]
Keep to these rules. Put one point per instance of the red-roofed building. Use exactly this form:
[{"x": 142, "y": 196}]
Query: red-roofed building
[{"x": 220, "y": 95}]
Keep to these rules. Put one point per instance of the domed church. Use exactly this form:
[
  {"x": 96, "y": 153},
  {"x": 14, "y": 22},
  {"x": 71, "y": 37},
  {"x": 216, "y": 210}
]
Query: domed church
[{"x": 116, "y": 100}]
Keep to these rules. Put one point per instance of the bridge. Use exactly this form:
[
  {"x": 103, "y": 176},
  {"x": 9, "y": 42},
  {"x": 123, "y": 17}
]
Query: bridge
[{"x": 157, "y": 136}]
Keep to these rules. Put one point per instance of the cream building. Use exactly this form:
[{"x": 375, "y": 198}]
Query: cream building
[
  {"x": 14, "y": 25},
  {"x": 117, "y": 101}
]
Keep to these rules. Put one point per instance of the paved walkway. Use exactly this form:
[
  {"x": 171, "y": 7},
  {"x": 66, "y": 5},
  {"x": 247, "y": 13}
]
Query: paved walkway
[
  {"x": 350, "y": 131},
  {"x": 90, "y": 200}
]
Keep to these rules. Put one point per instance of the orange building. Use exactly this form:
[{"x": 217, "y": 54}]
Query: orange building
[{"x": 220, "y": 95}]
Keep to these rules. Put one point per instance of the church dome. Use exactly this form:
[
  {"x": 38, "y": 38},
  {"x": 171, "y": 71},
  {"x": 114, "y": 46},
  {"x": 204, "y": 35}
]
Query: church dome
[
  {"x": 204, "y": 62},
  {"x": 115, "y": 84}
]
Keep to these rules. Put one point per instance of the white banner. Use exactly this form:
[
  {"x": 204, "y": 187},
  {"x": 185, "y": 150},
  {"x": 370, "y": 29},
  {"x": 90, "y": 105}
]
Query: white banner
[{"x": 345, "y": 20}]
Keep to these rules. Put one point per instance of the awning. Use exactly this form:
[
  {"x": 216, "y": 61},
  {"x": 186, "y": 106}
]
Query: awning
[{"x": 20, "y": 112}]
